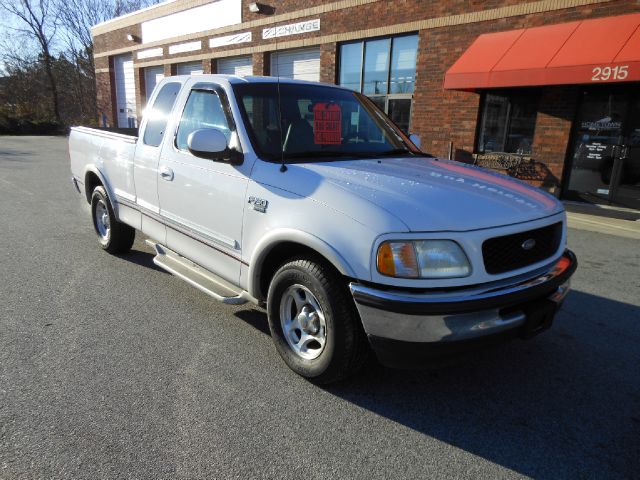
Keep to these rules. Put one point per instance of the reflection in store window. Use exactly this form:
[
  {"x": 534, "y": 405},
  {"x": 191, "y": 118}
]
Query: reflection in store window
[
  {"x": 351, "y": 65},
  {"x": 403, "y": 64},
  {"x": 385, "y": 70},
  {"x": 508, "y": 122},
  {"x": 376, "y": 67}
]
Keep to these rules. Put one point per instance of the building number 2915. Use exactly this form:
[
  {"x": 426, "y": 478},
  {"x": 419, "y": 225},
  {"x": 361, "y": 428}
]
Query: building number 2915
[{"x": 610, "y": 73}]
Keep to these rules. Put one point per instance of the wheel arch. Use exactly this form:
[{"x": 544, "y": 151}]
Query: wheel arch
[
  {"x": 94, "y": 177},
  {"x": 278, "y": 247}
]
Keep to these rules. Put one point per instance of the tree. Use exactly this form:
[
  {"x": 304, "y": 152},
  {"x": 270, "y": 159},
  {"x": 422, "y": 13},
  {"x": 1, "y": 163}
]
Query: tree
[
  {"x": 38, "y": 20},
  {"x": 78, "y": 16},
  {"x": 76, "y": 19},
  {"x": 50, "y": 45}
]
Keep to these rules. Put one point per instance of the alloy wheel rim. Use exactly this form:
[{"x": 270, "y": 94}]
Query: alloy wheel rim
[
  {"x": 303, "y": 322},
  {"x": 103, "y": 224}
]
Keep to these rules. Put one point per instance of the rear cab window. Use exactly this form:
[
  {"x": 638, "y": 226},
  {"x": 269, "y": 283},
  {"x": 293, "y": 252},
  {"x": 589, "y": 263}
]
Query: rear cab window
[{"x": 158, "y": 115}]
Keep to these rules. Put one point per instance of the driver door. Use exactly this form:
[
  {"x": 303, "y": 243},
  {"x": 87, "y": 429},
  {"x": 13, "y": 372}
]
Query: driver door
[{"x": 202, "y": 200}]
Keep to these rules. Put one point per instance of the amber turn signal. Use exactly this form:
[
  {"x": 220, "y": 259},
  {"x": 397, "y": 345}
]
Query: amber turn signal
[
  {"x": 397, "y": 259},
  {"x": 385, "y": 260}
]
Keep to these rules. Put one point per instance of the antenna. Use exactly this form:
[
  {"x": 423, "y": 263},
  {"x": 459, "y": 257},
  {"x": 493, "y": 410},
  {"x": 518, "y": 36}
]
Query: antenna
[{"x": 283, "y": 166}]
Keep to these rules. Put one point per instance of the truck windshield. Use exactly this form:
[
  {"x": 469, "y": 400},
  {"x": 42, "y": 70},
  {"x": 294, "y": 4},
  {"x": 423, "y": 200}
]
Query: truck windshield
[{"x": 316, "y": 122}]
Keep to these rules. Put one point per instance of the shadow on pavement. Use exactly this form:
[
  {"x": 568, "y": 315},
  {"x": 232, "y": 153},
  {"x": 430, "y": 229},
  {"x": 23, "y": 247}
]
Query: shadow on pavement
[
  {"x": 563, "y": 405},
  {"x": 256, "y": 318},
  {"x": 8, "y": 154},
  {"x": 144, "y": 259}
]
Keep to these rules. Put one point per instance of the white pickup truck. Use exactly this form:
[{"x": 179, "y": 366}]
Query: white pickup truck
[{"x": 306, "y": 199}]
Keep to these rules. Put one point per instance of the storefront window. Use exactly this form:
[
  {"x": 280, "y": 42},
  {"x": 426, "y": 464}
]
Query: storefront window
[
  {"x": 508, "y": 122},
  {"x": 385, "y": 70},
  {"x": 351, "y": 65},
  {"x": 376, "y": 67},
  {"x": 403, "y": 64}
]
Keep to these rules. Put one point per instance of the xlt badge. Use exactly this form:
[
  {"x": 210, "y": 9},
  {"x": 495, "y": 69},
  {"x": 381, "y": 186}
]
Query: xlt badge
[{"x": 259, "y": 204}]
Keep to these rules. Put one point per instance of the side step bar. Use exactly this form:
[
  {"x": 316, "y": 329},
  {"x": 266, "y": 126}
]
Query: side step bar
[{"x": 197, "y": 276}]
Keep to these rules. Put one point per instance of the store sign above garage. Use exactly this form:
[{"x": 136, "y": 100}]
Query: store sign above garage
[
  {"x": 150, "y": 53},
  {"x": 185, "y": 47},
  {"x": 291, "y": 29},
  {"x": 230, "y": 39}
]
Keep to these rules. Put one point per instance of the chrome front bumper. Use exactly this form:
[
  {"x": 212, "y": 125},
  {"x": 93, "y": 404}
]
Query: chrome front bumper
[{"x": 460, "y": 315}]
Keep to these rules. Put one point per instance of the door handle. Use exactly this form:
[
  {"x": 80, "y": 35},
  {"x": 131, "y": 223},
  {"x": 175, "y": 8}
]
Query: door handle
[{"x": 166, "y": 174}]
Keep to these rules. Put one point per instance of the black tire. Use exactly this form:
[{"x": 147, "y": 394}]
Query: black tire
[
  {"x": 346, "y": 348},
  {"x": 119, "y": 237}
]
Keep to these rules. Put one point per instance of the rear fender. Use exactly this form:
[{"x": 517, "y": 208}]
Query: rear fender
[{"x": 110, "y": 194}]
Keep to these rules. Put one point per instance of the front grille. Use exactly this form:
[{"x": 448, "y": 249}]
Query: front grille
[{"x": 503, "y": 254}]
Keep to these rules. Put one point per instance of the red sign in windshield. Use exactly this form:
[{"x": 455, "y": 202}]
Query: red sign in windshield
[{"x": 327, "y": 124}]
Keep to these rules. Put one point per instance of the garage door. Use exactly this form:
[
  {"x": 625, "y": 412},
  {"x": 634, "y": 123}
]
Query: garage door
[
  {"x": 242, "y": 66},
  {"x": 125, "y": 91},
  {"x": 299, "y": 64},
  {"x": 189, "y": 68},
  {"x": 152, "y": 75}
]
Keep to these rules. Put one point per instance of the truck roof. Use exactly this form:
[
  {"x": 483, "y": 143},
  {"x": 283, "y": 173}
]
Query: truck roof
[{"x": 236, "y": 79}]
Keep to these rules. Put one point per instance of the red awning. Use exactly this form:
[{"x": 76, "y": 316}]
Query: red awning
[{"x": 602, "y": 50}]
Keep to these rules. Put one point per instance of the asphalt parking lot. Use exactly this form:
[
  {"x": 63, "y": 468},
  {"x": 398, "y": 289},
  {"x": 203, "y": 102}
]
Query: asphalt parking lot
[{"x": 111, "y": 368}]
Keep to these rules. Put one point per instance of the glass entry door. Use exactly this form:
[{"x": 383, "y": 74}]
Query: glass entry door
[
  {"x": 606, "y": 148},
  {"x": 626, "y": 173}
]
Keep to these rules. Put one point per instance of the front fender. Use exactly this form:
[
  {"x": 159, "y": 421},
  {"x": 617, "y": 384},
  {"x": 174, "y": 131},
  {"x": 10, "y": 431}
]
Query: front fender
[{"x": 276, "y": 237}]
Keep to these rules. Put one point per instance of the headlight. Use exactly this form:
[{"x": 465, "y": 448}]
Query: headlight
[{"x": 422, "y": 259}]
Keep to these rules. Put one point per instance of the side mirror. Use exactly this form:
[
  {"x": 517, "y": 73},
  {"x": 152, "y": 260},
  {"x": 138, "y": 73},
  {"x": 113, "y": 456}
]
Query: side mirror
[
  {"x": 415, "y": 139},
  {"x": 208, "y": 143}
]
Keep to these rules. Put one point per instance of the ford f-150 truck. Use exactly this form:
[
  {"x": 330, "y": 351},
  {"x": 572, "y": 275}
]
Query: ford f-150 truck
[{"x": 306, "y": 199}]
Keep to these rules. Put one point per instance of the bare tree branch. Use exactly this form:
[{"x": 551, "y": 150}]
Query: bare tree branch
[
  {"x": 47, "y": 43},
  {"x": 38, "y": 21}
]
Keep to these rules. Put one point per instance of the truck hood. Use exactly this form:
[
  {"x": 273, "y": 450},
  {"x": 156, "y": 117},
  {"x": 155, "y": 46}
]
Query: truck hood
[{"x": 429, "y": 194}]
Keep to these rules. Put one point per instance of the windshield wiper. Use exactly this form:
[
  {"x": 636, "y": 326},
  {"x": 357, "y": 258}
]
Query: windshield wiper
[
  {"x": 360, "y": 155},
  {"x": 321, "y": 154},
  {"x": 399, "y": 151}
]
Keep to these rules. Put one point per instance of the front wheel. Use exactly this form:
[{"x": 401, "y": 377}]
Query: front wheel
[
  {"x": 314, "y": 323},
  {"x": 114, "y": 236}
]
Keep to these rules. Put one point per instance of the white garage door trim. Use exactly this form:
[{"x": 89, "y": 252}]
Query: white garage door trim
[
  {"x": 152, "y": 76},
  {"x": 303, "y": 64},
  {"x": 189, "y": 68},
  {"x": 125, "y": 91},
  {"x": 241, "y": 66}
]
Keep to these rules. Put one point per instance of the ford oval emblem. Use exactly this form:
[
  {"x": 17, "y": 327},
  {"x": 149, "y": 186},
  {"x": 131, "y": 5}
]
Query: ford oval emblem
[{"x": 528, "y": 244}]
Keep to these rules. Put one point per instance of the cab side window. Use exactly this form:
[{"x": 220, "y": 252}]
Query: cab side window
[
  {"x": 203, "y": 110},
  {"x": 158, "y": 115}
]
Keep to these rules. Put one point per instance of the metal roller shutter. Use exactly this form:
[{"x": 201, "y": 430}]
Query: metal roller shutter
[
  {"x": 301, "y": 64},
  {"x": 125, "y": 91},
  {"x": 152, "y": 75},
  {"x": 189, "y": 68},
  {"x": 241, "y": 66}
]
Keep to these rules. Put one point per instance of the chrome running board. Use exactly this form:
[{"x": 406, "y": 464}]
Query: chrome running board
[{"x": 202, "y": 279}]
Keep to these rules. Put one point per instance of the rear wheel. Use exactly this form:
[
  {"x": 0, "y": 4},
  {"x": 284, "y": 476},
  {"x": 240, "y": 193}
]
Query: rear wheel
[
  {"x": 114, "y": 236},
  {"x": 314, "y": 323}
]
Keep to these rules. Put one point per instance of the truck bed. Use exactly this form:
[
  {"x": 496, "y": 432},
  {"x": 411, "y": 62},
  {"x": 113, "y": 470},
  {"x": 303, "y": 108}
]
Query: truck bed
[
  {"x": 130, "y": 132},
  {"x": 108, "y": 153}
]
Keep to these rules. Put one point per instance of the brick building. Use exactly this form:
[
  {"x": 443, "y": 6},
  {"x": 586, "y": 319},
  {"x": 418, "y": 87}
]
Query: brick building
[{"x": 547, "y": 91}]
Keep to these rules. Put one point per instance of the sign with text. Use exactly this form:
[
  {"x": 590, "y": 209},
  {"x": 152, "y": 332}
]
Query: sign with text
[
  {"x": 597, "y": 150},
  {"x": 292, "y": 29},
  {"x": 230, "y": 40},
  {"x": 327, "y": 124}
]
